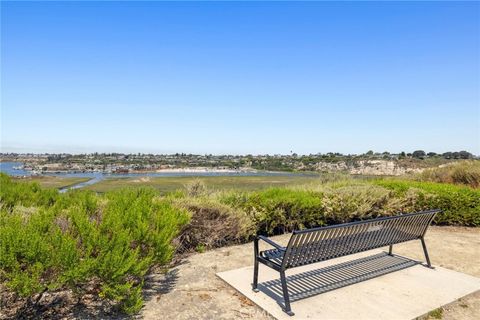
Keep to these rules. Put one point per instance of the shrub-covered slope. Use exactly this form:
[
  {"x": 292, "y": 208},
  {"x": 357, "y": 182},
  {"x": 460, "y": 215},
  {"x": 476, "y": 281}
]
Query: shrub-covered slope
[{"x": 109, "y": 242}]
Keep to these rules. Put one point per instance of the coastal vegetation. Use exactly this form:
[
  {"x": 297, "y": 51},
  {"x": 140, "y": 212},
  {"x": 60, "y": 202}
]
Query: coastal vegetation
[
  {"x": 83, "y": 242},
  {"x": 55, "y": 181},
  {"x": 105, "y": 244},
  {"x": 464, "y": 173},
  {"x": 170, "y": 184}
]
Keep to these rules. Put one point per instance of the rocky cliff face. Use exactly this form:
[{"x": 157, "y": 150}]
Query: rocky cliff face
[{"x": 368, "y": 167}]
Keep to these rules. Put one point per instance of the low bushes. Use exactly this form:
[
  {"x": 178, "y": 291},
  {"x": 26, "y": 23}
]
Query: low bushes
[
  {"x": 279, "y": 210},
  {"x": 80, "y": 238},
  {"x": 355, "y": 202},
  {"x": 25, "y": 194},
  {"x": 460, "y": 205}
]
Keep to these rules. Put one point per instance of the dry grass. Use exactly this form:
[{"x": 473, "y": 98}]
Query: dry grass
[
  {"x": 171, "y": 184},
  {"x": 464, "y": 173}
]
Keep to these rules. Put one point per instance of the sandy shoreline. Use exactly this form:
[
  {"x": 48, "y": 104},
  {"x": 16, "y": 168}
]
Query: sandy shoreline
[{"x": 202, "y": 170}]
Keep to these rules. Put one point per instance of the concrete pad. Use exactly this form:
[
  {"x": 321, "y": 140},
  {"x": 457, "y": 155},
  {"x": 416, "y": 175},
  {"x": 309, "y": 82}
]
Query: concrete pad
[{"x": 371, "y": 285}]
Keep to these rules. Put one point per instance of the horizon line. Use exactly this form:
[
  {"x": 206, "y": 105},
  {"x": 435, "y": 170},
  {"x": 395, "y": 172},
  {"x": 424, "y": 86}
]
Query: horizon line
[{"x": 2, "y": 153}]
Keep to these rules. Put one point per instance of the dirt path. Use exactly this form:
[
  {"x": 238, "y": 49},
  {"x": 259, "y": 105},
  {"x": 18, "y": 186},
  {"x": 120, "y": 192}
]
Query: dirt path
[{"x": 191, "y": 290}]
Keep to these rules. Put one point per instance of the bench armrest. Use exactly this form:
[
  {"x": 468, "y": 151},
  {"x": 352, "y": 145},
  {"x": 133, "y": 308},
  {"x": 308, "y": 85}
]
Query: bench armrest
[{"x": 270, "y": 242}]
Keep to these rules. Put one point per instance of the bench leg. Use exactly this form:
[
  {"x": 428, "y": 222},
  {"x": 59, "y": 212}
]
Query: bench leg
[
  {"x": 286, "y": 299},
  {"x": 390, "y": 250},
  {"x": 426, "y": 253},
  {"x": 255, "y": 276},
  {"x": 255, "y": 266}
]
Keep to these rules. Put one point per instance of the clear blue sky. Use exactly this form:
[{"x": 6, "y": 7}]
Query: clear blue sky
[{"x": 240, "y": 77}]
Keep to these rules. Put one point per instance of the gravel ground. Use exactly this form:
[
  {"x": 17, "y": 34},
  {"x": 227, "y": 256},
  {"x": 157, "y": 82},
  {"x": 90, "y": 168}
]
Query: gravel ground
[{"x": 191, "y": 290}]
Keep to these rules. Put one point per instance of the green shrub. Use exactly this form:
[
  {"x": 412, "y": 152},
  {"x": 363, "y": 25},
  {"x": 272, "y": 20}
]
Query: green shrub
[
  {"x": 26, "y": 194},
  {"x": 355, "y": 202},
  {"x": 280, "y": 210},
  {"x": 78, "y": 238},
  {"x": 460, "y": 205}
]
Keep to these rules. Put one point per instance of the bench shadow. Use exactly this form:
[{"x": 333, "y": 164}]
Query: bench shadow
[{"x": 310, "y": 283}]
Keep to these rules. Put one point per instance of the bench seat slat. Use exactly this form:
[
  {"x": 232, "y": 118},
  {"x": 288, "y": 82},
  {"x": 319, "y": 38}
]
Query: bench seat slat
[
  {"x": 336, "y": 243},
  {"x": 320, "y": 245}
]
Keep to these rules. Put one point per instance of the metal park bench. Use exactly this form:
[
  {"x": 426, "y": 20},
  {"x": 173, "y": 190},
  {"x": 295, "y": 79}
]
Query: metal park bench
[{"x": 324, "y": 243}]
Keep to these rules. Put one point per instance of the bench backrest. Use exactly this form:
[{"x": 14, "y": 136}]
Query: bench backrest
[{"x": 319, "y": 244}]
